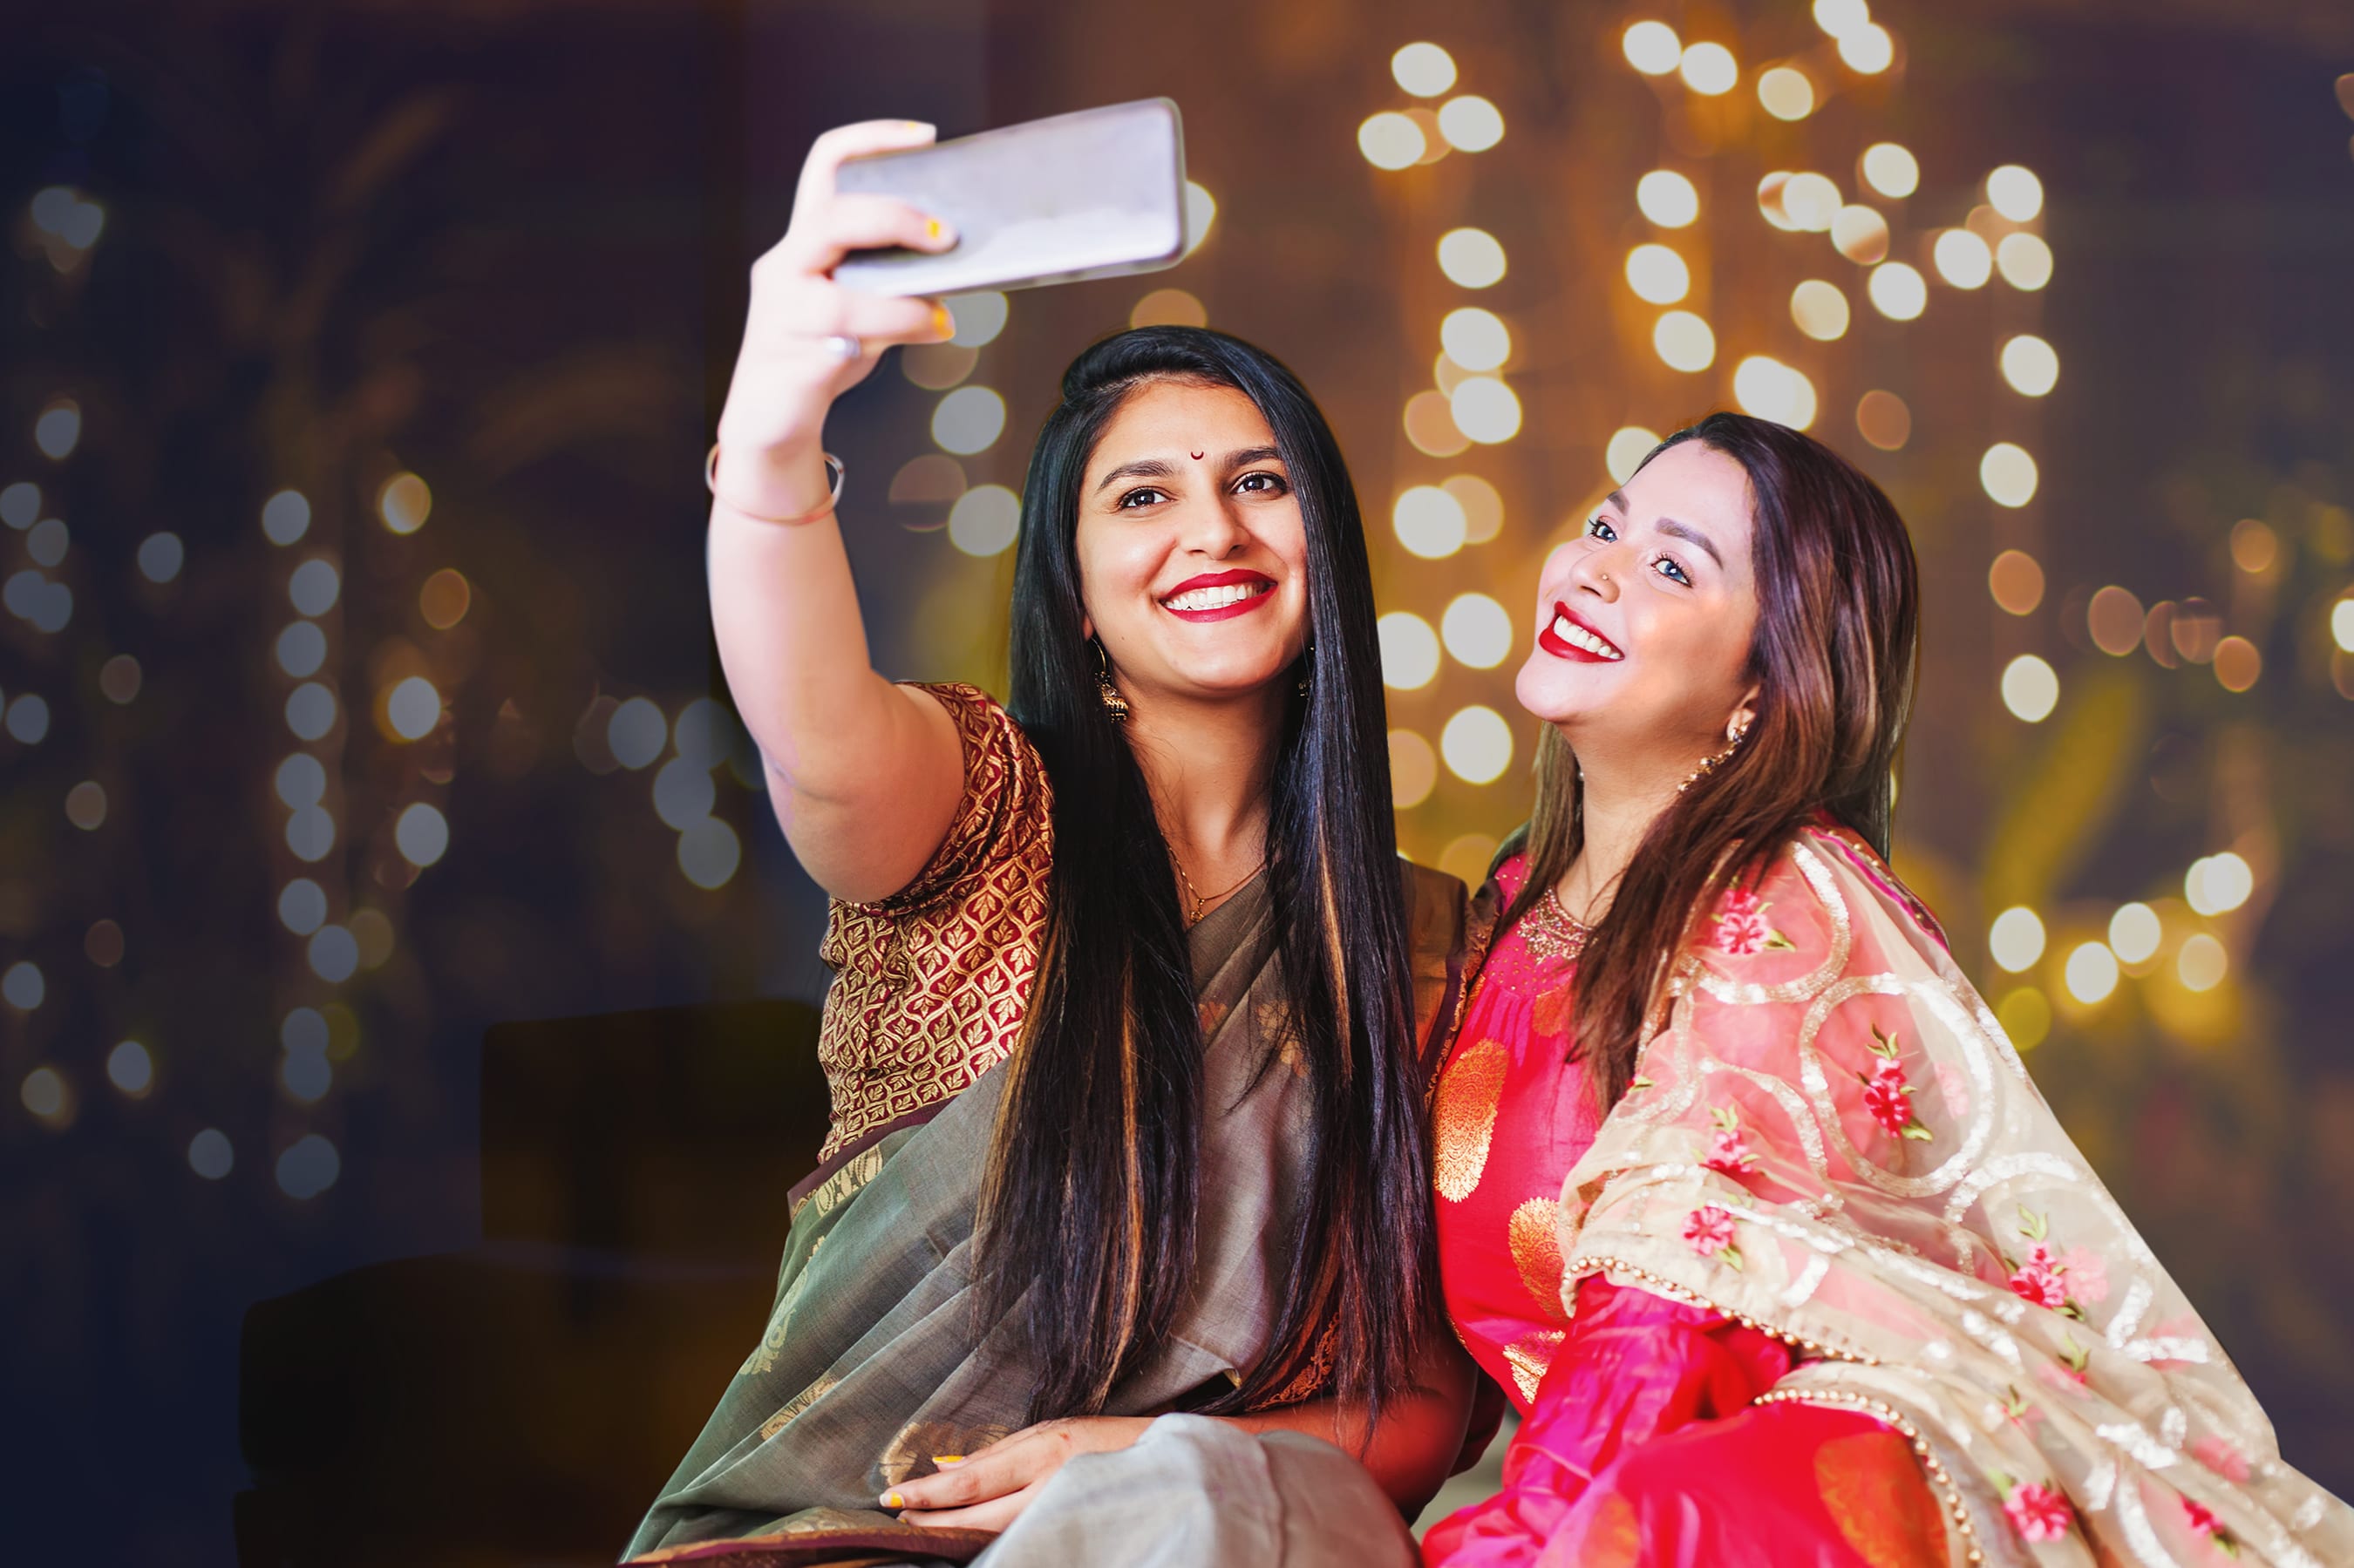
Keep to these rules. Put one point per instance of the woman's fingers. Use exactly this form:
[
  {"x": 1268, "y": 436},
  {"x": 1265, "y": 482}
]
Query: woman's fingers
[
  {"x": 993, "y": 1515},
  {"x": 816, "y": 311},
  {"x": 823, "y": 233},
  {"x": 996, "y": 1471},
  {"x": 867, "y": 137}
]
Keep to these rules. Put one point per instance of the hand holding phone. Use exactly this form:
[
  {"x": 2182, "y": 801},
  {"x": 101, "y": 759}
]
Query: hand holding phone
[
  {"x": 807, "y": 338},
  {"x": 1097, "y": 193}
]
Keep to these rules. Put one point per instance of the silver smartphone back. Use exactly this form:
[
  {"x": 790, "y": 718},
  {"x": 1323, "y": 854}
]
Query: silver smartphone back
[{"x": 1092, "y": 195}]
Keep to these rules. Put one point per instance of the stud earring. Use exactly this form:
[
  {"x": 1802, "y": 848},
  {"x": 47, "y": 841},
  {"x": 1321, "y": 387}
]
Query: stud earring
[{"x": 1114, "y": 704}]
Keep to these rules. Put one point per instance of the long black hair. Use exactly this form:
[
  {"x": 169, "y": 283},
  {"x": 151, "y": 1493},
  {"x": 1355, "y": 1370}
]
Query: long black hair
[{"x": 1092, "y": 1188}]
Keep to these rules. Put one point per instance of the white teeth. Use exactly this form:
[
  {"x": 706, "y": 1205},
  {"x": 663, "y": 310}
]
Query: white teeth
[
  {"x": 1216, "y": 597},
  {"x": 1570, "y": 631}
]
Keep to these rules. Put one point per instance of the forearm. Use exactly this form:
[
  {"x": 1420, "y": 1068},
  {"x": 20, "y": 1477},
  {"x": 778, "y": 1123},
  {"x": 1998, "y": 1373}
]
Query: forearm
[{"x": 1414, "y": 1445}]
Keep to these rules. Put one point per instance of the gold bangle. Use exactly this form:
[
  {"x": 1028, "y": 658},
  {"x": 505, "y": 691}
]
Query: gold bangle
[{"x": 823, "y": 508}]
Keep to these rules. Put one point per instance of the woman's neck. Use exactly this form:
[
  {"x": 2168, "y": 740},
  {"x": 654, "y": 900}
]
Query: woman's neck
[
  {"x": 1620, "y": 797},
  {"x": 1208, "y": 766}
]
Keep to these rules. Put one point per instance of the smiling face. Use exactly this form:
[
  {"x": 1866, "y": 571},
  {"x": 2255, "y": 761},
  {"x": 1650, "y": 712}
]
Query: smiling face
[
  {"x": 1644, "y": 624},
  {"x": 1193, "y": 556}
]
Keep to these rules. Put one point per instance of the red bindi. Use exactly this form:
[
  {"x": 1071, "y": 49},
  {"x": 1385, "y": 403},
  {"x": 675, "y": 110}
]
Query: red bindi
[{"x": 1197, "y": 457}]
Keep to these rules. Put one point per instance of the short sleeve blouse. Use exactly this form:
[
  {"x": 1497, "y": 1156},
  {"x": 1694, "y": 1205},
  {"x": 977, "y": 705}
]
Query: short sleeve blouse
[{"x": 931, "y": 984}]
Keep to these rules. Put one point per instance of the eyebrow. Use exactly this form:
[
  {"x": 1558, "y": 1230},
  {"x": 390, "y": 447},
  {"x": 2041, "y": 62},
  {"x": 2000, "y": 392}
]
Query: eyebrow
[
  {"x": 1160, "y": 468},
  {"x": 1685, "y": 531}
]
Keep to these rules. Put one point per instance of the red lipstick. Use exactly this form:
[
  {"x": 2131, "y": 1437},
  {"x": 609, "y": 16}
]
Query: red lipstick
[
  {"x": 1560, "y": 647},
  {"x": 1259, "y": 589}
]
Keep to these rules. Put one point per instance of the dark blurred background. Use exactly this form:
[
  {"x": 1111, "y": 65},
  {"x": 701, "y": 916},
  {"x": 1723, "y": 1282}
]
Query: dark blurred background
[{"x": 406, "y": 993}]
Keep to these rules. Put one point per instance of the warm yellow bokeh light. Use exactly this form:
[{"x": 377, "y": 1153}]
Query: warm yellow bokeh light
[
  {"x": 1470, "y": 257},
  {"x": 1770, "y": 389},
  {"x": 2202, "y": 963},
  {"x": 2008, "y": 474},
  {"x": 1477, "y": 744},
  {"x": 2254, "y": 546},
  {"x": 1684, "y": 342},
  {"x": 2219, "y": 884},
  {"x": 1390, "y": 140},
  {"x": 2030, "y": 688},
  {"x": 1424, "y": 69},
  {"x": 2134, "y": 932},
  {"x": 1710, "y": 70},
  {"x": 1471, "y": 123},
  {"x": 1786, "y": 93},
  {"x": 404, "y": 502},
  {"x": 1811, "y": 202},
  {"x": 1897, "y": 292},
  {"x": 1667, "y": 198},
  {"x": 1868, "y": 50},
  {"x": 1769, "y": 200},
  {"x": 2091, "y": 972},
  {"x": 1882, "y": 419},
  {"x": 2029, "y": 365},
  {"x": 2015, "y": 193},
  {"x": 1962, "y": 259},
  {"x": 1841, "y": 18},
  {"x": 1414, "y": 769},
  {"x": 2016, "y": 581},
  {"x": 1430, "y": 521},
  {"x": 1631, "y": 444},
  {"x": 1820, "y": 309},
  {"x": 2016, "y": 939},
  {"x": 1652, "y": 48},
  {"x": 1861, "y": 235},
  {"x": 1430, "y": 425},
  {"x": 2238, "y": 664},
  {"x": 1409, "y": 651},
  {"x": 2115, "y": 620},
  {"x": 2025, "y": 261},
  {"x": 1475, "y": 339},
  {"x": 1485, "y": 410},
  {"x": 1890, "y": 170},
  {"x": 1658, "y": 274},
  {"x": 2342, "y": 625}
]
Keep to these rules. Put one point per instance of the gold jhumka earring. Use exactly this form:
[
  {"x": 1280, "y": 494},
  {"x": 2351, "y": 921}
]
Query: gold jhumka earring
[
  {"x": 1735, "y": 733},
  {"x": 1114, "y": 704}
]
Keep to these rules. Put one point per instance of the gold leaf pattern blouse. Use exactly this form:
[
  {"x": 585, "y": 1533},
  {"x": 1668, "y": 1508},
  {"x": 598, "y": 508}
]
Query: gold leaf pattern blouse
[{"x": 930, "y": 984}]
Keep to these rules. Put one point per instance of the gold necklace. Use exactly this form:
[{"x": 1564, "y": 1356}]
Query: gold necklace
[
  {"x": 1550, "y": 931},
  {"x": 1197, "y": 906}
]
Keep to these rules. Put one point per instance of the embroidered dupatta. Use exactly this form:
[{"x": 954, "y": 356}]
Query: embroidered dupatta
[{"x": 1831, "y": 1139}]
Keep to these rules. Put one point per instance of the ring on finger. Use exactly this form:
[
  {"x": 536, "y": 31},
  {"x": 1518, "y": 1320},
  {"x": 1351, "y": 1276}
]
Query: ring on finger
[{"x": 841, "y": 345}]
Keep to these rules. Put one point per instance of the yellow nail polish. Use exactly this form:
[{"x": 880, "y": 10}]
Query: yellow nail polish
[
  {"x": 933, "y": 228},
  {"x": 892, "y": 1499},
  {"x": 947, "y": 1461},
  {"x": 943, "y": 323}
]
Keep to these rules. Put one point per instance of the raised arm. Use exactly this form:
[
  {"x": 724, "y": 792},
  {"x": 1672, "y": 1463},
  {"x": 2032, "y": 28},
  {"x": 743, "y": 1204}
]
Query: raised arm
[{"x": 864, "y": 776}]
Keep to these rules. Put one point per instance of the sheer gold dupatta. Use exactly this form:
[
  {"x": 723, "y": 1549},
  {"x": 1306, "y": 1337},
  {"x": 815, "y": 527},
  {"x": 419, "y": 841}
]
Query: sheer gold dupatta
[{"x": 1831, "y": 1138}]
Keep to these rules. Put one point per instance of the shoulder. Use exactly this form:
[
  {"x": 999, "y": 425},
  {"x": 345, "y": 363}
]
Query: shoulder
[{"x": 1799, "y": 916}]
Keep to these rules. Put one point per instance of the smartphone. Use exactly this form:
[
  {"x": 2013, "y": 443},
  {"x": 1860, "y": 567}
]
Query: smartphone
[{"x": 1097, "y": 193}]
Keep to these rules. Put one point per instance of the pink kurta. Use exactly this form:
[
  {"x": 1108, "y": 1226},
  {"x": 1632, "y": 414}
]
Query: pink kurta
[{"x": 1640, "y": 1443}]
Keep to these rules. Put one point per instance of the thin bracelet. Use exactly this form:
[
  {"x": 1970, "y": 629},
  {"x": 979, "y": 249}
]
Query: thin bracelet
[{"x": 823, "y": 508}]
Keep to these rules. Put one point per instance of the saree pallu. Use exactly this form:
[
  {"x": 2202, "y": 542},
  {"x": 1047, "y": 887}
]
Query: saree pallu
[
  {"x": 1831, "y": 1143},
  {"x": 874, "y": 1359}
]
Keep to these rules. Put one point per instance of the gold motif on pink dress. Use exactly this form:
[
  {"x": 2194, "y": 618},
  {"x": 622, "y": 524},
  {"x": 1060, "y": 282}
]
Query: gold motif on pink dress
[
  {"x": 1531, "y": 1356},
  {"x": 1534, "y": 1233},
  {"x": 1465, "y": 1118}
]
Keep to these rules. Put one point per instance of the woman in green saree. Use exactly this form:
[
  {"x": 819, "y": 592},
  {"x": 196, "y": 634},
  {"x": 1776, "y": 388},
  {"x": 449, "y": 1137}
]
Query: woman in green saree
[{"x": 1132, "y": 987}]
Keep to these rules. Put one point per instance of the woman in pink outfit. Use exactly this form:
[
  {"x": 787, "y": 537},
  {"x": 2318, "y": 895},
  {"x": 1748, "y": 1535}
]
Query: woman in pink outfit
[{"x": 1744, "y": 1200}]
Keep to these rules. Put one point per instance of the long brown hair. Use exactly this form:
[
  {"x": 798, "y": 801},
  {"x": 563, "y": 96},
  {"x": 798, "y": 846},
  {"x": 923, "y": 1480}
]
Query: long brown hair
[{"x": 1833, "y": 658}]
